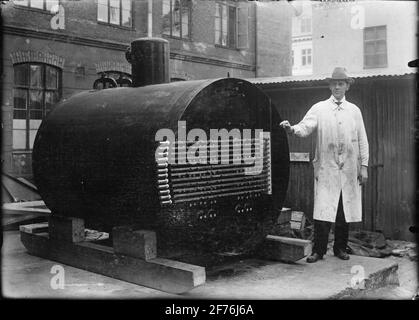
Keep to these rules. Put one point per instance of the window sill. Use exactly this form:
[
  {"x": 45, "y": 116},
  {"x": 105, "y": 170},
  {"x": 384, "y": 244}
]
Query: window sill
[
  {"x": 176, "y": 38},
  {"x": 375, "y": 67},
  {"x": 225, "y": 47},
  {"x": 115, "y": 26},
  {"x": 44, "y": 11}
]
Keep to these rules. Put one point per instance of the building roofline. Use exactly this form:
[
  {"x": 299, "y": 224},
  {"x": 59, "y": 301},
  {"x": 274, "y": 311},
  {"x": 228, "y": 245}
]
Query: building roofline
[{"x": 322, "y": 78}]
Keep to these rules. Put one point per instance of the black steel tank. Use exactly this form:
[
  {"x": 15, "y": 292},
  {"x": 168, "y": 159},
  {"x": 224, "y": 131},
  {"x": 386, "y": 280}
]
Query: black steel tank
[{"x": 97, "y": 157}]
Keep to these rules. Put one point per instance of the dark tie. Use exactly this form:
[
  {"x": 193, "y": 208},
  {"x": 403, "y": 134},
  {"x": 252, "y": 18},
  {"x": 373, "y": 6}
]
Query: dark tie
[{"x": 338, "y": 104}]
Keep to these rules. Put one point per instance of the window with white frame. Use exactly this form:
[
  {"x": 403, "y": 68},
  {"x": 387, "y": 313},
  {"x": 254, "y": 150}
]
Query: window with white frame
[
  {"x": 38, "y": 4},
  {"x": 176, "y": 18},
  {"x": 37, "y": 88},
  {"x": 115, "y": 12},
  {"x": 306, "y": 57},
  {"x": 375, "y": 47}
]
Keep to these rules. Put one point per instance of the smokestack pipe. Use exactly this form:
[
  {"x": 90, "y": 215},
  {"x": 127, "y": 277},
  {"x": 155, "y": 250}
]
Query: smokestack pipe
[{"x": 149, "y": 59}]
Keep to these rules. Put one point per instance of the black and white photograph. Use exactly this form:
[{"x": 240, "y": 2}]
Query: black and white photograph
[{"x": 206, "y": 155}]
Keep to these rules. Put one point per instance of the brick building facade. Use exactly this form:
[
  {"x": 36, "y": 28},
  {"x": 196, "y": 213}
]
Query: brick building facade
[{"x": 55, "y": 48}]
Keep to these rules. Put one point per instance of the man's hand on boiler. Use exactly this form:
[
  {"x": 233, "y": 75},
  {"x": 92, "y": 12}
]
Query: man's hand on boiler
[
  {"x": 363, "y": 175},
  {"x": 286, "y": 125}
]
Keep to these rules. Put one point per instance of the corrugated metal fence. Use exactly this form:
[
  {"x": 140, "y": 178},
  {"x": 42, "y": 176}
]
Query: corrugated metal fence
[{"x": 388, "y": 105}]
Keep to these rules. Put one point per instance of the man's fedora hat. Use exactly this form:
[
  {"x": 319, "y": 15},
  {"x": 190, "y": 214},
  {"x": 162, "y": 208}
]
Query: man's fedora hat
[{"x": 340, "y": 74}]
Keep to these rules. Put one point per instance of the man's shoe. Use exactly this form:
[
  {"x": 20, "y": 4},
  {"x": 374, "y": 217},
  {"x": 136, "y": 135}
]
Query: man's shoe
[
  {"x": 341, "y": 255},
  {"x": 314, "y": 257}
]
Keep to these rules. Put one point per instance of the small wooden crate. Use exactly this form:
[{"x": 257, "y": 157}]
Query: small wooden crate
[{"x": 298, "y": 220}]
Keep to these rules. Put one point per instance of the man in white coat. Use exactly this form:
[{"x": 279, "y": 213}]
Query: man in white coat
[{"x": 340, "y": 164}]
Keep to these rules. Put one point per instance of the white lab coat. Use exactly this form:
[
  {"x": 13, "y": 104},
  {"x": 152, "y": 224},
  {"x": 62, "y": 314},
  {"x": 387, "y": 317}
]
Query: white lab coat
[{"x": 341, "y": 149}]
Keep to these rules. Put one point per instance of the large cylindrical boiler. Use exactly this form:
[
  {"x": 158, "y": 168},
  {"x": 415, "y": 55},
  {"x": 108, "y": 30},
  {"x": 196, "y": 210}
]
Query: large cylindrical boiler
[{"x": 97, "y": 157}]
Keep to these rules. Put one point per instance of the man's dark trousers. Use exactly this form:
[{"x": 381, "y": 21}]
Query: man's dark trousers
[{"x": 322, "y": 229}]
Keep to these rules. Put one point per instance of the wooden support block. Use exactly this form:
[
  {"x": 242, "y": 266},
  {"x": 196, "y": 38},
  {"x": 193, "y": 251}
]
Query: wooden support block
[
  {"x": 161, "y": 274},
  {"x": 35, "y": 228},
  {"x": 135, "y": 243},
  {"x": 284, "y": 216},
  {"x": 298, "y": 220},
  {"x": 285, "y": 249},
  {"x": 66, "y": 228}
]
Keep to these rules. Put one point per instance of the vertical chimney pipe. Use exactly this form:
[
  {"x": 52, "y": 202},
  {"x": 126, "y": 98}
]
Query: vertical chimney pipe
[{"x": 149, "y": 59}]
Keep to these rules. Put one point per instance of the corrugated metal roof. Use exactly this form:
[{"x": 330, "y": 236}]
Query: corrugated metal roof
[{"x": 273, "y": 80}]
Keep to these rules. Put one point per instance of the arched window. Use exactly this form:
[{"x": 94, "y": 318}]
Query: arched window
[
  {"x": 37, "y": 88},
  {"x": 112, "y": 79}
]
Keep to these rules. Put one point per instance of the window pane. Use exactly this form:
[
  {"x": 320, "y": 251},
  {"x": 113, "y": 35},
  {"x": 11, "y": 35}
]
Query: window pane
[
  {"x": 369, "y": 61},
  {"x": 21, "y": 75},
  {"x": 51, "y": 75},
  {"x": 33, "y": 128},
  {"x": 382, "y": 60},
  {"x": 39, "y": 4},
  {"x": 381, "y": 46},
  {"x": 19, "y": 104},
  {"x": 224, "y": 24},
  {"x": 20, "y": 99},
  {"x": 185, "y": 18},
  {"x": 36, "y": 76},
  {"x": 369, "y": 48},
  {"x": 217, "y": 10},
  {"x": 381, "y": 33},
  {"x": 217, "y": 36},
  {"x": 21, "y": 2},
  {"x": 35, "y": 114},
  {"x": 35, "y": 99},
  {"x": 369, "y": 33},
  {"x": 51, "y": 98},
  {"x": 19, "y": 139},
  {"x": 185, "y": 29},
  {"x": 102, "y": 10},
  {"x": 232, "y": 27},
  {"x": 19, "y": 134},
  {"x": 166, "y": 17},
  {"x": 126, "y": 13},
  {"x": 51, "y": 4},
  {"x": 176, "y": 18},
  {"x": 114, "y": 12}
]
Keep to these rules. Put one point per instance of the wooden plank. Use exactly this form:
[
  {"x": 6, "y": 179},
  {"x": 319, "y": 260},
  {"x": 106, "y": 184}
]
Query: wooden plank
[
  {"x": 66, "y": 228},
  {"x": 34, "y": 228},
  {"x": 285, "y": 249},
  {"x": 135, "y": 243},
  {"x": 161, "y": 274}
]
